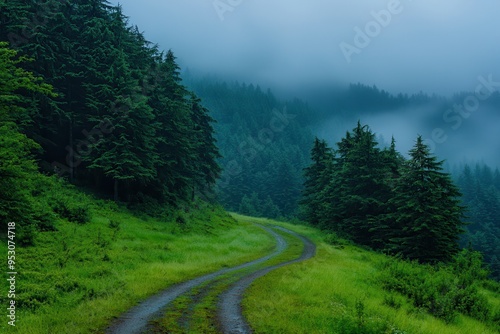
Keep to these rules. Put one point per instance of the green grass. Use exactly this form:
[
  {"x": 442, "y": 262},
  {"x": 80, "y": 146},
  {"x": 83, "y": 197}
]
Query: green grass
[
  {"x": 78, "y": 278},
  {"x": 339, "y": 291}
]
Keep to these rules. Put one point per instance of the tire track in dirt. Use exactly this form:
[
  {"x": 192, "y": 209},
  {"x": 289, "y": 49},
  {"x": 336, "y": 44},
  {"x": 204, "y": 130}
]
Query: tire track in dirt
[
  {"x": 230, "y": 317},
  {"x": 136, "y": 319}
]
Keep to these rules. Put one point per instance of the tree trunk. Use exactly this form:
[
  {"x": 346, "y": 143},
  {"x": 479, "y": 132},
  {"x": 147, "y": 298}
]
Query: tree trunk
[
  {"x": 116, "y": 197},
  {"x": 72, "y": 154}
]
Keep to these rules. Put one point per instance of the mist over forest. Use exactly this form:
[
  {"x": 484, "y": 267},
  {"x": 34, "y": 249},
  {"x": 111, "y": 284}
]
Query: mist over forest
[{"x": 317, "y": 50}]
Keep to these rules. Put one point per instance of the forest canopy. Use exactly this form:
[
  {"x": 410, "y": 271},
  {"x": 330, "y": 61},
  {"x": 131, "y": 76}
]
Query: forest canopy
[{"x": 119, "y": 120}]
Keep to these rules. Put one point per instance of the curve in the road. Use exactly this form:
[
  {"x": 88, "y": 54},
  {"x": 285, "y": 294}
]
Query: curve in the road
[
  {"x": 136, "y": 319},
  {"x": 231, "y": 319}
]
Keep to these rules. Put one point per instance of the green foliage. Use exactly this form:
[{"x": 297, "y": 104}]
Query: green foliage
[
  {"x": 393, "y": 301},
  {"x": 18, "y": 170},
  {"x": 333, "y": 239},
  {"x": 316, "y": 177},
  {"x": 71, "y": 211},
  {"x": 360, "y": 312},
  {"x": 250, "y": 205},
  {"x": 443, "y": 291}
]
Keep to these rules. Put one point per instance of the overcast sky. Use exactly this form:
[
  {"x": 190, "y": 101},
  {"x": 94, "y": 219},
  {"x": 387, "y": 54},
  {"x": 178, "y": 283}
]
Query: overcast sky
[{"x": 434, "y": 46}]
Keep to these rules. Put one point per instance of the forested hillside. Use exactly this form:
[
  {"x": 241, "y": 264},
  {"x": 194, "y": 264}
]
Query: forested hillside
[
  {"x": 265, "y": 145},
  {"x": 480, "y": 187},
  {"x": 104, "y": 107}
]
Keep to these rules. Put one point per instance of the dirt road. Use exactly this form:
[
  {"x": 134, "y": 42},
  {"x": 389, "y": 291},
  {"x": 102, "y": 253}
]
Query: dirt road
[
  {"x": 227, "y": 284},
  {"x": 229, "y": 307}
]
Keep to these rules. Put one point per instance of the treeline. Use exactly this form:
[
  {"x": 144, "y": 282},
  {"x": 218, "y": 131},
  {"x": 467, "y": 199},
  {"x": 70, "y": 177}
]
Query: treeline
[
  {"x": 408, "y": 207},
  {"x": 91, "y": 100},
  {"x": 360, "y": 98},
  {"x": 264, "y": 142},
  {"x": 480, "y": 186},
  {"x": 356, "y": 100},
  {"x": 122, "y": 122}
]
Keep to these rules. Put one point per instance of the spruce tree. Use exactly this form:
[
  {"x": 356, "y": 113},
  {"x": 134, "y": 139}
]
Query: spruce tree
[
  {"x": 204, "y": 143},
  {"x": 126, "y": 155},
  {"x": 315, "y": 179},
  {"x": 381, "y": 226},
  {"x": 358, "y": 190},
  {"x": 18, "y": 169},
  {"x": 428, "y": 212},
  {"x": 176, "y": 142}
]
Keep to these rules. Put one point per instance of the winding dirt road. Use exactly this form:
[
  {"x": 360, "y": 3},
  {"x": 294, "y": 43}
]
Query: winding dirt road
[
  {"x": 228, "y": 313},
  {"x": 230, "y": 316}
]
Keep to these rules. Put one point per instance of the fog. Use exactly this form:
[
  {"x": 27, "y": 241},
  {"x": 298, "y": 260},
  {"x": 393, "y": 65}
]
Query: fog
[{"x": 406, "y": 46}]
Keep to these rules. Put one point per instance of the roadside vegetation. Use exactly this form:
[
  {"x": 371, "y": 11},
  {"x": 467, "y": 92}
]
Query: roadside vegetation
[{"x": 348, "y": 289}]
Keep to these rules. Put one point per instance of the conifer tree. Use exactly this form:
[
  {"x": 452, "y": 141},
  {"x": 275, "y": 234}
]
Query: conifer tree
[
  {"x": 128, "y": 152},
  {"x": 207, "y": 153},
  {"x": 359, "y": 185},
  {"x": 316, "y": 178},
  {"x": 381, "y": 226},
  {"x": 17, "y": 165},
  {"x": 428, "y": 212},
  {"x": 176, "y": 146}
]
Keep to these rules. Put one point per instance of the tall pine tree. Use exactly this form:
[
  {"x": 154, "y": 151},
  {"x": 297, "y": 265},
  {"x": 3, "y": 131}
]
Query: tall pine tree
[
  {"x": 316, "y": 177},
  {"x": 428, "y": 212}
]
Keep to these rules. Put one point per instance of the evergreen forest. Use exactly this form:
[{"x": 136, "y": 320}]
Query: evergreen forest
[{"x": 89, "y": 99}]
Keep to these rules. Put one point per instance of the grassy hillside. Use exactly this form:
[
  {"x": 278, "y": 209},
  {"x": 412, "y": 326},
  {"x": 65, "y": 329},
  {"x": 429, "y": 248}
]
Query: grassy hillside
[
  {"x": 76, "y": 279},
  {"x": 104, "y": 258},
  {"x": 345, "y": 289}
]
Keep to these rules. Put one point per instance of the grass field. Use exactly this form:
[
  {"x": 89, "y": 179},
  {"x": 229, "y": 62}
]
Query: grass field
[
  {"x": 75, "y": 280},
  {"x": 339, "y": 291}
]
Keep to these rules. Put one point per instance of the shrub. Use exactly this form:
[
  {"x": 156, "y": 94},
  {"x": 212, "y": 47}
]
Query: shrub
[
  {"x": 32, "y": 296},
  {"x": 333, "y": 239},
  {"x": 441, "y": 291},
  {"x": 71, "y": 211},
  {"x": 25, "y": 234},
  {"x": 392, "y": 301}
]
